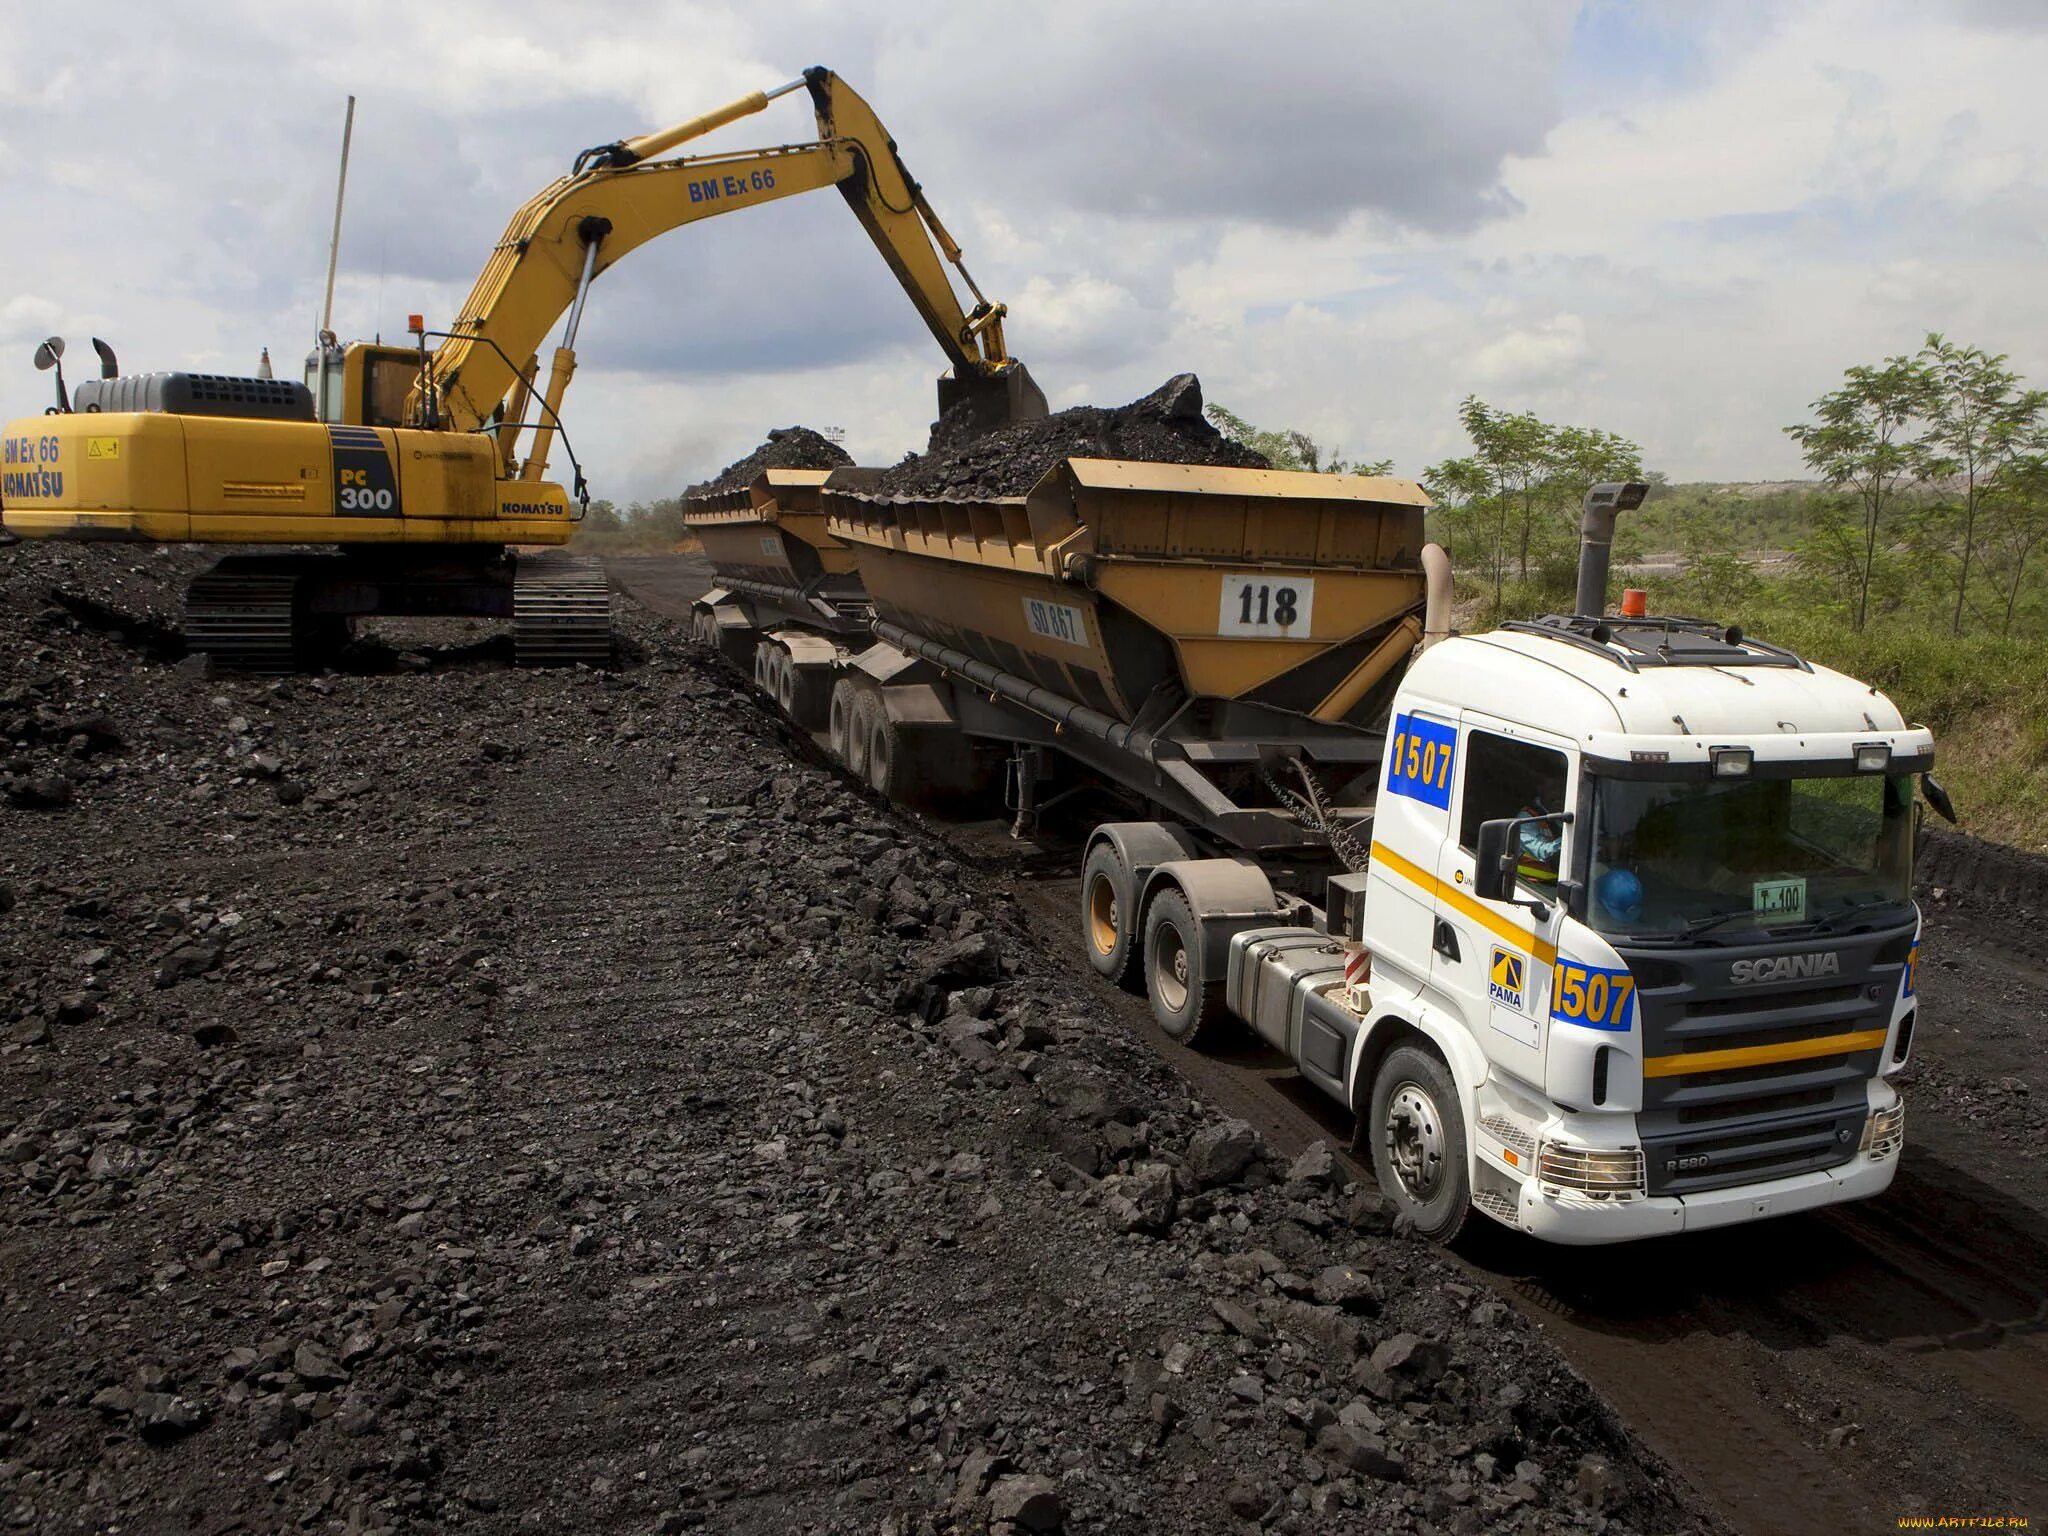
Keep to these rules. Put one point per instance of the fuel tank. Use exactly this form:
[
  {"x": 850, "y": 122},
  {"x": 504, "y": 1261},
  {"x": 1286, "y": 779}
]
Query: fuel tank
[{"x": 1131, "y": 587}]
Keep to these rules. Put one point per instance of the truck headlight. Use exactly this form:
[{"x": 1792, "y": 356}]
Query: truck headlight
[
  {"x": 1594, "y": 1170},
  {"x": 1885, "y": 1132}
]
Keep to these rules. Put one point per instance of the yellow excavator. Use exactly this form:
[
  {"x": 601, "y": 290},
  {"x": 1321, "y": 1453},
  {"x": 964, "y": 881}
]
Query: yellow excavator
[{"x": 407, "y": 459}]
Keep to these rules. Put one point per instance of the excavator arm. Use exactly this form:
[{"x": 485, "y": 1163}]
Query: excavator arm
[{"x": 619, "y": 196}]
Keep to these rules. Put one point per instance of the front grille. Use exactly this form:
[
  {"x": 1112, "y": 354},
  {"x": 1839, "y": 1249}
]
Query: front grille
[
  {"x": 1768, "y": 1104},
  {"x": 1810, "y": 997},
  {"x": 1700, "y": 1161},
  {"x": 1708, "y": 1123}
]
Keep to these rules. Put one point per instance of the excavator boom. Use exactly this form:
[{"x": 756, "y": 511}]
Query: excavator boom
[{"x": 619, "y": 197}]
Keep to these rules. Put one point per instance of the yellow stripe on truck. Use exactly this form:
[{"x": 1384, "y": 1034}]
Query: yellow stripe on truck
[
  {"x": 1763, "y": 1055},
  {"x": 1544, "y": 951}
]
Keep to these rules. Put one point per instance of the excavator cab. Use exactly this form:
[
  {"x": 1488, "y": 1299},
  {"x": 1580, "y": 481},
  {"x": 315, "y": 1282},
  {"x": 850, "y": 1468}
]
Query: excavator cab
[{"x": 364, "y": 384}]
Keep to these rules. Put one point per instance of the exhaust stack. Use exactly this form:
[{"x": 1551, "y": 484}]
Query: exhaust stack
[{"x": 1596, "y": 539}]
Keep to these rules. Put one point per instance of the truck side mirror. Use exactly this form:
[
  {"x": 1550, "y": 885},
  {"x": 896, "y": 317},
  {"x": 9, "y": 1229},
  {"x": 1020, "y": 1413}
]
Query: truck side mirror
[
  {"x": 1494, "y": 877},
  {"x": 1937, "y": 797}
]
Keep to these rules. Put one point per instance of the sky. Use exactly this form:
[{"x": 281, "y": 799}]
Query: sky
[{"x": 1679, "y": 222}]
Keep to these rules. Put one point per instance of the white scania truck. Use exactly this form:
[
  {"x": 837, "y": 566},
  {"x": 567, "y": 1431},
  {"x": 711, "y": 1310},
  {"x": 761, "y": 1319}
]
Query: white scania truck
[
  {"x": 1602, "y": 925},
  {"x": 1633, "y": 949}
]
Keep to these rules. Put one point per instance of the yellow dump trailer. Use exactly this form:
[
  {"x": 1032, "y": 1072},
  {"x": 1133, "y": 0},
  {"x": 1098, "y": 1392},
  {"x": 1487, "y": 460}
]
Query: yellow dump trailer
[
  {"x": 1134, "y": 587},
  {"x": 788, "y": 603},
  {"x": 1218, "y": 644},
  {"x": 771, "y": 533}
]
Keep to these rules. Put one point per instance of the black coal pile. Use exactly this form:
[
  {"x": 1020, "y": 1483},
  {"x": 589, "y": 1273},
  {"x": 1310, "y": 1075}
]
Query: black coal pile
[
  {"x": 786, "y": 448},
  {"x": 472, "y": 1099},
  {"x": 1164, "y": 427}
]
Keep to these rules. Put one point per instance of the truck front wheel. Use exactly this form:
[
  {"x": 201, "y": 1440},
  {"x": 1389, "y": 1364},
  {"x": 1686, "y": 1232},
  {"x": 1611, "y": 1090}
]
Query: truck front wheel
[
  {"x": 1186, "y": 1000},
  {"x": 1418, "y": 1142}
]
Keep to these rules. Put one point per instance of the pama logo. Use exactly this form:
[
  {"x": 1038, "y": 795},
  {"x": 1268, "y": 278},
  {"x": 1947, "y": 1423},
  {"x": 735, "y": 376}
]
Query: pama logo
[{"x": 1504, "y": 977}]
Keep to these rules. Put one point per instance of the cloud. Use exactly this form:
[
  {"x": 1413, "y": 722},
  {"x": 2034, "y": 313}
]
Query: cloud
[{"x": 1679, "y": 226}]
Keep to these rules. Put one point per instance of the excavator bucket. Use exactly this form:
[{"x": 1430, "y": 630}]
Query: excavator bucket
[{"x": 1012, "y": 395}]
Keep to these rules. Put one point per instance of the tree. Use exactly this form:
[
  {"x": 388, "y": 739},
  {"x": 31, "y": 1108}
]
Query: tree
[
  {"x": 1861, "y": 443},
  {"x": 1980, "y": 417},
  {"x": 2017, "y": 502},
  {"x": 1289, "y": 448}
]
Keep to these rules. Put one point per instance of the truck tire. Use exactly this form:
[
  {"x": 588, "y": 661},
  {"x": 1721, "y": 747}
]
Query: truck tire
[
  {"x": 894, "y": 767},
  {"x": 1418, "y": 1141},
  {"x": 839, "y": 726},
  {"x": 810, "y": 696},
  {"x": 1185, "y": 1000},
  {"x": 1107, "y": 905},
  {"x": 860, "y": 731},
  {"x": 785, "y": 684}
]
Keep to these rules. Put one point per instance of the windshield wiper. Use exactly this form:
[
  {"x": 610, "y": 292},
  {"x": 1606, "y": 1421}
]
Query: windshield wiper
[
  {"x": 1828, "y": 921},
  {"x": 1699, "y": 925}
]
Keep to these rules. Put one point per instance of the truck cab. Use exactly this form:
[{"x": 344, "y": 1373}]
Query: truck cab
[{"x": 1640, "y": 892}]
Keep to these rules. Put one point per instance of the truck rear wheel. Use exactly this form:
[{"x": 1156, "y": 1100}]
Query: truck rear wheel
[
  {"x": 1185, "y": 999},
  {"x": 1418, "y": 1142},
  {"x": 1107, "y": 904}
]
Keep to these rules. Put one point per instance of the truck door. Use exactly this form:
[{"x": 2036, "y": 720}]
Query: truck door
[
  {"x": 1491, "y": 962},
  {"x": 1410, "y": 823}
]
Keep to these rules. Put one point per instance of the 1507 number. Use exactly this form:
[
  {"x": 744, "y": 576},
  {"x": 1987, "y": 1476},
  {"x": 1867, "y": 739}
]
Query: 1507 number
[{"x": 1591, "y": 995}]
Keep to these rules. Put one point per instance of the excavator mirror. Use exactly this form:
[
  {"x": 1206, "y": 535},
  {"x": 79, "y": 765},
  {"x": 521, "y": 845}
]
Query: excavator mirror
[{"x": 50, "y": 355}]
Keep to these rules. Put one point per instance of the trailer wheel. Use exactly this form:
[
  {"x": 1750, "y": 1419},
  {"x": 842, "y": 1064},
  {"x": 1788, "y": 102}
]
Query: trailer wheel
[
  {"x": 1185, "y": 1000},
  {"x": 892, "y": 759},
  {"x": 1418, "y": 1142},
  {"x": 839, "y": 729},
  {"x": 860, "y": 731},
  {"x": 810, "y": 694},
  {"x": 1108, "y": 906},
  {"x": 785, "y": 684}
]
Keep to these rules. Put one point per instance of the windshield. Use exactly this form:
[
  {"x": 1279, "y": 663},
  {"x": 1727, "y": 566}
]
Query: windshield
[{"x": 1742, "y": 855}]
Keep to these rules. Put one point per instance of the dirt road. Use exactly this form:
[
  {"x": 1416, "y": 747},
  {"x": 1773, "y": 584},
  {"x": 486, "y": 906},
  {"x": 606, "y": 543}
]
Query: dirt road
[{"x": 1832, "y": 1372}]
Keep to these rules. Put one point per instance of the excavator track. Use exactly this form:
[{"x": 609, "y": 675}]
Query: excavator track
[
  {"x": 561, "y": 611},
  {"x": 242, "y": 615}
]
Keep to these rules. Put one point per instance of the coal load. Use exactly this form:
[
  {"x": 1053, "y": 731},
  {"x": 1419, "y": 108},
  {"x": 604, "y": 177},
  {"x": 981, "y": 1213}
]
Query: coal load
[
  {"x": 1164, "y": 427},
  {"x": 786, "y": 448}
]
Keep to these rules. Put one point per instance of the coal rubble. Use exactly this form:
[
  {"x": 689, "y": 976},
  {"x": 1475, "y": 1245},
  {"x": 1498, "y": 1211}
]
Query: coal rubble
[
  {"x": 1165, "y": 427},
  {"x": 466, "y": 1099},
  {"x": 786, "y": 448}
]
